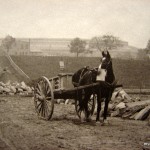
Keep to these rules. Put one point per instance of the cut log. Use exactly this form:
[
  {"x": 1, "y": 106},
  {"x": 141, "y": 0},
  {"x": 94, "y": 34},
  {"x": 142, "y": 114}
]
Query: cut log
[
  {"x": 132, "y": 110},
  {"x": 121, "y": 105},
  {"x": 118, "y": 112},
  {"x": 115, "y": 113},
  {"x": 120, "y": 93},
  {"x": 111, "y": 107},
  {"x": 133, "y": 116},
  {"x": 7, "y": 90},
  {"x": 1, "y": 88},
  {"x": 143, "y": 114},
  {"x": 139, "y": 103},
  {"x": 124, "y": 95},
  {"x": 13, "y": 89}
]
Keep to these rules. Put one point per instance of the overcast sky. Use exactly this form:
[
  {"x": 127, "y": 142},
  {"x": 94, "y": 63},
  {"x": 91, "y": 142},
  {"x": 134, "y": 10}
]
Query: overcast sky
[{"x": 127, "y": 19}]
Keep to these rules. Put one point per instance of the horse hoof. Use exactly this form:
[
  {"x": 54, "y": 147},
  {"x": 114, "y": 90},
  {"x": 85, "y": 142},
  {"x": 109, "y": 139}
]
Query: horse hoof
[
  {"x": 99, "y": 123},
  {"x": 102, "y": 124},
  {"x": 83, "y": 120},
  {"x": 107, "y": 122},
  {"x": 89, "y": 119},
  {"x": 82, "y": 115}
]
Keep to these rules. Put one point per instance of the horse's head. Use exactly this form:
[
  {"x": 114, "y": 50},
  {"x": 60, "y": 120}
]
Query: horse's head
[
  {"x": 105, "y": 69},
  {"x": 106, "y": 60}
]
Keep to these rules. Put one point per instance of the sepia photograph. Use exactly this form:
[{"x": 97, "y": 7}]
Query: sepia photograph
[{"x": 74, "y": 74}]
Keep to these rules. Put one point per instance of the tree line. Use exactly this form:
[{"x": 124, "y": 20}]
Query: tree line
[
  {"x": 100, "y": 43},
  {"x": 78, "y": 46},
  {"x": 7, "y": 42}
]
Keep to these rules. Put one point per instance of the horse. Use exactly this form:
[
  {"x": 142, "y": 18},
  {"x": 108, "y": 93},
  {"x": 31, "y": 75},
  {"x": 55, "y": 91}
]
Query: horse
[{"x": 85, "y": 76}]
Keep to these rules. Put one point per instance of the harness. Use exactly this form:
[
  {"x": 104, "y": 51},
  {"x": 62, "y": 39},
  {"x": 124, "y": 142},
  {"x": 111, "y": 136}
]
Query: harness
[{"x": 83, "y": 74}]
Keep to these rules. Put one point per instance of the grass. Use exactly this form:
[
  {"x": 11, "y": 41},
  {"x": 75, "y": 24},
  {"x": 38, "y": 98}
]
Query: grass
[{"x": 130, "y": 73}]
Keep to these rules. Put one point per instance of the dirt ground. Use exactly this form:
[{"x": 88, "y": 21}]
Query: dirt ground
[{"x": 21, "y": 129}]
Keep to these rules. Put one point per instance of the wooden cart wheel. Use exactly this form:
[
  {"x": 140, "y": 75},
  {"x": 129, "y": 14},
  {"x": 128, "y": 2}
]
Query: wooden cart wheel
[
  {"x": 44, "y": 98},
  {"x": 91, "y": 106}
]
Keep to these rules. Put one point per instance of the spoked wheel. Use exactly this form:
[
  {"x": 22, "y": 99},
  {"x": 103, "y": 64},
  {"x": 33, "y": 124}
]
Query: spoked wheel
[
  {"x": 91, "y": 106},
  {"x": 44, "y": 98}
]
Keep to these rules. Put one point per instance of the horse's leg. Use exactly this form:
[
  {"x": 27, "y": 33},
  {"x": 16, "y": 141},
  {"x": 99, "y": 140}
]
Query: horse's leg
[
  {"x": 80, "y": 99},
  {"x": 87, "y": 97},
  {"x": 108, "y": 98},
  {"x": 82, "y": 103},
  {"x": 98, "y": 105},
  {"x": 86, "y": 108},
  {"x": 105, "y": 108}
]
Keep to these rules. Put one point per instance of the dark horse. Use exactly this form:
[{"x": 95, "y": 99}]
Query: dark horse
[{"x": 86, "y": 76}]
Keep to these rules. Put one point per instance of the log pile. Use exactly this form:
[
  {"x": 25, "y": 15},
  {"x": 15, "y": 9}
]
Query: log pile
[
  {"x": 126, "y": 107},
  {"x": 15, "y": 89}
]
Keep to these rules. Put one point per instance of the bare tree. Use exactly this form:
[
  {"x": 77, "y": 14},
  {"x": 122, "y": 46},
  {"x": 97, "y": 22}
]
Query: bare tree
[
  {"x": 105, "y": 42},
  {"x": 147, "y": 49},
  {"x": 142, "y": 54},
  {"x": 77, "y": 46},
  {"x": 7, "y": 42}
]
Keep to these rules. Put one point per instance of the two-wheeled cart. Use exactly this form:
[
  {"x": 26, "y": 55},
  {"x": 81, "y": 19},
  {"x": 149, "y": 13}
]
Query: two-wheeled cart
[{"x": 60, "y": 87}]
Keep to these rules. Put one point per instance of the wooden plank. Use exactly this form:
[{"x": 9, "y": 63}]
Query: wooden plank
[
  {"x": 143, "y": 114},
  {"x": 139, "y": 103},
  {"x": 128, "y": 112}
]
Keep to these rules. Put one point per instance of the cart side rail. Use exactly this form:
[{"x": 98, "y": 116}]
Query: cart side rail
[{"x": 62, "y": 81}]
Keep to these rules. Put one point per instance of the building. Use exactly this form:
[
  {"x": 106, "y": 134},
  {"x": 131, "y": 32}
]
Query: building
[{"x": 49, "y": 47}]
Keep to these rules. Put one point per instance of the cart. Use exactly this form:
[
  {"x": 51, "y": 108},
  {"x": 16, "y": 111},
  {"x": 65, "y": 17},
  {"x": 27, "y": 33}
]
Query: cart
[{"x": 47, "y": 91}]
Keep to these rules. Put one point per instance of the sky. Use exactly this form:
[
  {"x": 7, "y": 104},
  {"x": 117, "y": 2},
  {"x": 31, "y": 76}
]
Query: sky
[{"x": 127, "y": 19}]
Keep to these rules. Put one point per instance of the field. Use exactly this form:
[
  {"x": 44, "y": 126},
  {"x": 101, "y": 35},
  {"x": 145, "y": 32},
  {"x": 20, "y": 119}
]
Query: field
[
  {"x": 20, "y": 129},
  {"x": 131, "y": 73}
]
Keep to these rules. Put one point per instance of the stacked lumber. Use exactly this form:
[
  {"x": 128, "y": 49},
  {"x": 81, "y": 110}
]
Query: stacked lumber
[
  {"x": 15, "y": 88},
  {"x": 126, "y": 107}
]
